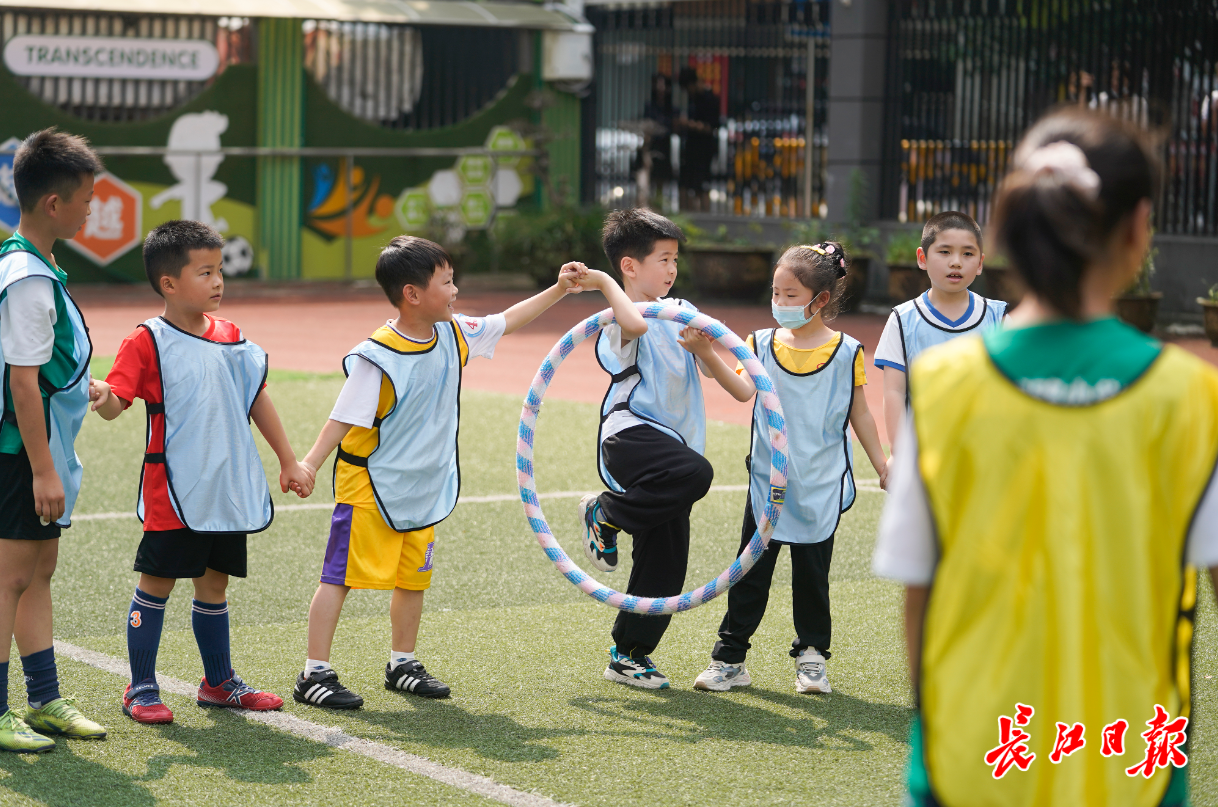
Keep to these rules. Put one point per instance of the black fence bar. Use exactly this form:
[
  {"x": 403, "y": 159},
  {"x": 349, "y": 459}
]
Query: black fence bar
[{"x": 967, "y": 77}]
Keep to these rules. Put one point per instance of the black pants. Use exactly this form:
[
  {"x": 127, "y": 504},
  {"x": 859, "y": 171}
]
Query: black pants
[
  {"x": 746, "y": 601},
  {"x": 663, "y": 478}
]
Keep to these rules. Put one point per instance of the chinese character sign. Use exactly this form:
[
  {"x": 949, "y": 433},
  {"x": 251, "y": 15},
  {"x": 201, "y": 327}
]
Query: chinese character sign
[
  {"x": 1163, "y": 740},
  {"x": 114, "y": 224}
]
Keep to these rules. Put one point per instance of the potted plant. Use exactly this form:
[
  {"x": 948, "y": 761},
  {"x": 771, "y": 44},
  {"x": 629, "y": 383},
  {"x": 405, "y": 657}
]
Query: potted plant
[
  {"x": 727, "y": 268},
  {"x": 1209, "y": 303},
  {"x": 1139, "y": 306},
  {"x": 905, "y": 279}
]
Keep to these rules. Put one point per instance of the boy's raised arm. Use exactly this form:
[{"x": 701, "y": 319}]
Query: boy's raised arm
[
  {"x": 293, "y": 475},
  {"x": 528, "y": 310},
  {"x": 740, "y": 387},
  {"x": 629, "y": 319}
]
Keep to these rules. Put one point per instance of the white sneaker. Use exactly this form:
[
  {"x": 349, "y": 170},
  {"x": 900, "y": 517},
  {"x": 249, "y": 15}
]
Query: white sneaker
[
  {"x": 810, "y": 672},
  {"x": 721, "y": 676}
]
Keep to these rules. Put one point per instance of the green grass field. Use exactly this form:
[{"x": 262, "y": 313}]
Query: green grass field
[{"x": 522, "y": 649}]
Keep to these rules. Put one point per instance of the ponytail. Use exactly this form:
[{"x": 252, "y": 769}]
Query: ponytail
[{"x": 1077, "y": 175}]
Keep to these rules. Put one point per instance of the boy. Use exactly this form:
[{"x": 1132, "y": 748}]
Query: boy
[
  {"x": 951, "y": 255},
  {"x": 45, "y": 349},
  {"x": 397, "y": 473},
  {"x": 652, "y": 434},
  {"x": 202, "y": 488}
]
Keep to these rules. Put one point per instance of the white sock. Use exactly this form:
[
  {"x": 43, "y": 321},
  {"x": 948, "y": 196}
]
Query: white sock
[
  {"x": 396, "y": 658},
  {"x": 312, "y": 665}
]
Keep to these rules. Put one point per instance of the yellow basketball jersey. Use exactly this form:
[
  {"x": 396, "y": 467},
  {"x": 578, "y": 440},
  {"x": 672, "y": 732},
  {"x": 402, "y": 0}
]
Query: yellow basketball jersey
[{"x": 1061, "y": 581}]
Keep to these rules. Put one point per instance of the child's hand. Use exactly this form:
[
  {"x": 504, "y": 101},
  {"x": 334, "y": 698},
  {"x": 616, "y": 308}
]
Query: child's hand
[
  {"x": 99, "y": 393},
  {"x": 571, "y": 277},
  {"x": 695, "y": 342},
  {"x": 297, "y": 477},
  {"x": 883, "y": 471}
]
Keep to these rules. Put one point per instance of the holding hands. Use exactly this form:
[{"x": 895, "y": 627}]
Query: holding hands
[{"x": 297, "y": 477}]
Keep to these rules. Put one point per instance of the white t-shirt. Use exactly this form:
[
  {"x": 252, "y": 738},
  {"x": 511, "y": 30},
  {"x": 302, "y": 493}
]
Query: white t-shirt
[
  {"x": 358, "y": 399},
  {"x": 907, "y": 552},
  {"x": 891, "y": 353},
  {"x": 27, "y": 322}
]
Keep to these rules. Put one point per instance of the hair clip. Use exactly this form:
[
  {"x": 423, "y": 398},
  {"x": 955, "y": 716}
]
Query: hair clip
[
  {"x": 829, "y": 249},
  {"x": 1068, "y": 164},
  {"x": 817, "y": 248}
]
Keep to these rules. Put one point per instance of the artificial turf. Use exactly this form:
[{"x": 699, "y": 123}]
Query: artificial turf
[{"x": 522, "y": 649}]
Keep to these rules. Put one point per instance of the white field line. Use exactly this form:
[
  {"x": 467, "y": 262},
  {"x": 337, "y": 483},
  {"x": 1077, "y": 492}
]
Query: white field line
[
  {"x": 333, "y": 737},
  {"x": 861, "y": 484}
]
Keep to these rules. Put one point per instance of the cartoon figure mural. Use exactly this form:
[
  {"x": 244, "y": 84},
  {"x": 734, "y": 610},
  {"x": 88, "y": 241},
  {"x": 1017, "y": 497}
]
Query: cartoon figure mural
[{"x": 196, "y": 189}]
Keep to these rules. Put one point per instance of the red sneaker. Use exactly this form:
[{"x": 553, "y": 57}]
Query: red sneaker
[
  {"x": 236, "y": 694},
  {"x": 143, "y": 705}
]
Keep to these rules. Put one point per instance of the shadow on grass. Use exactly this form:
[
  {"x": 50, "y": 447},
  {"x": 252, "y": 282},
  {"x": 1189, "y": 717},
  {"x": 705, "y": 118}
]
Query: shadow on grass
[
  {"x": 240, "y": 749},
  {"x": 63, "y": 779},
  {"x": 444, "y": 724},
  {"x": 830, "y": 721}
]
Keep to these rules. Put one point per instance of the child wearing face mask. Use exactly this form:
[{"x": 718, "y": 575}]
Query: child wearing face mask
[{"x": 819, "y": 376}]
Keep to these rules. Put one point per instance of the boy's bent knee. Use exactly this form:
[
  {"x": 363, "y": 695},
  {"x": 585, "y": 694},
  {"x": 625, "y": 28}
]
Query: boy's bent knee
[{"x": 701, "y": 476}]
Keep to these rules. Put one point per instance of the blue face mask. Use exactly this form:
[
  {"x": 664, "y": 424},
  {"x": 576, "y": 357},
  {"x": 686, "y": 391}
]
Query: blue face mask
[{"x": 790, "y": 316}]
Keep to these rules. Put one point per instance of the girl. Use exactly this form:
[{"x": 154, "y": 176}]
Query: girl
[
  {"x": 819, "y": 377},
  {"x": 1058, "y": 490}
]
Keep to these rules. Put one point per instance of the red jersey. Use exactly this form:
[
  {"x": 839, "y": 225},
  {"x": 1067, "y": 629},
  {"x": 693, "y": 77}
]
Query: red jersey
[{"x": 136, "y": 374}]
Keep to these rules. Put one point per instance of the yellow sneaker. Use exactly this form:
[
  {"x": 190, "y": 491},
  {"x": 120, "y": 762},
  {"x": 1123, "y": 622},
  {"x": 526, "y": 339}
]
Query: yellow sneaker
[
  {"x": 60, "y": 716},
  {"x": 16, "y": 736}
]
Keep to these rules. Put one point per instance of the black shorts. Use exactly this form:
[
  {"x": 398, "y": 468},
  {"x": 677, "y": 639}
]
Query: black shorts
[
  {"x": 185, "y": 553},
  {"x": 18, "y": 518}
]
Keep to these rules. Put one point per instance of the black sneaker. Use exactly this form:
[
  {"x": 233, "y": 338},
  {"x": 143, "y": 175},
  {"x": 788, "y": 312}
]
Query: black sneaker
[
  {"x": 411, "y": 677},
  {"x": 640, "y": 673},
  {"x": 321, "y": 688},
  {"x": 600, "y": 539}
]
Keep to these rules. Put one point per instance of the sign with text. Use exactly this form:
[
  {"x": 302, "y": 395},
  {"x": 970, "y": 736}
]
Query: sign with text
[{"x": 111, "y": 57}]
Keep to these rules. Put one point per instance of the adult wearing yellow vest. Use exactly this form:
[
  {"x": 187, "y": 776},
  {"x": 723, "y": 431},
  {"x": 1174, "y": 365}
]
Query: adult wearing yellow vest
[{"x": 1054, "y": 504}]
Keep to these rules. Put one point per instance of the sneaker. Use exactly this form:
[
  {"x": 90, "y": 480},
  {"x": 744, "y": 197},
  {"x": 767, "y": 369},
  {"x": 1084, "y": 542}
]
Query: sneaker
[
  {"x": 635, "y": 672},
  {"x": 16, "y": 736},
  {"x": 321, "y": 688},
  {"x": 142, "y": 703},
  {"x": 236, "y": 694},
  {"x": 810, "y": 672},
  {"x": 600, "y": 540},
  {"x": 60, "y": 716},
  {"x": 721, "y": 676},
  {"x": 411, "y": 677}
]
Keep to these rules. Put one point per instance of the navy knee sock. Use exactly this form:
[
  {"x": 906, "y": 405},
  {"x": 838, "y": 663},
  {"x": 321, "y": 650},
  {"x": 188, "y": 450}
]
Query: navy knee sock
[
  {"x": 3, "y": 687},
  {"x": 210, "y": 622},
  {"x": 41, "y": 678},
  {"x": 144, "y": 623}
]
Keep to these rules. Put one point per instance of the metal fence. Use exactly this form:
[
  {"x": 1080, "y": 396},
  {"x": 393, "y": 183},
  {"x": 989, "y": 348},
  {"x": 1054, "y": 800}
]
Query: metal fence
[
  {"x": 117, "y": 99},
  {"x": 741, "y": 143},
  {"x": 403, "y": 77},
  {"x": 967, "y": 77}
]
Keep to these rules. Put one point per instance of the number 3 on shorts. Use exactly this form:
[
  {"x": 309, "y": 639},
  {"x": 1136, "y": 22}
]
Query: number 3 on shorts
[{"x": 135, "y": 619}]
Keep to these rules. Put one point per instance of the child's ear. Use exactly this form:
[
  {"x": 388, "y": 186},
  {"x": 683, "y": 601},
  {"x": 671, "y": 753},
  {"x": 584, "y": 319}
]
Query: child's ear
[
  {"x": 167, "y": 286},
  {"x": 628, "y": 268},
  {"x": 410, "y": 294},
  {"x": 921, "y": 258}
]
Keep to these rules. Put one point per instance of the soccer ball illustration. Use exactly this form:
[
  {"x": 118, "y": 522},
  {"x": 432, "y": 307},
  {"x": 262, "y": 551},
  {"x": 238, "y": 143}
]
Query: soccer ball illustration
[{"x": 238, "y": 256}]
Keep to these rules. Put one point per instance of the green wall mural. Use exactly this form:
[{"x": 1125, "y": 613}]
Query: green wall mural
[{"x": 389, "y": 195}]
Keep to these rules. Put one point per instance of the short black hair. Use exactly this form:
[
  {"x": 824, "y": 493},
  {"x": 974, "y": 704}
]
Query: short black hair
[
  {"x": 51, "y": 161},
  {"x": 167, "y": 248},
  {"x": 409, "y": 261},
  {"x": 633, "y": 234},
  {"x": 949, "y": 220}
]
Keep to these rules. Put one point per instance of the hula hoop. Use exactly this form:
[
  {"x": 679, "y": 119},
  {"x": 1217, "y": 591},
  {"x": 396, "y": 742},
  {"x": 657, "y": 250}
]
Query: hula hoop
[{"x": 778, "y": 469}]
